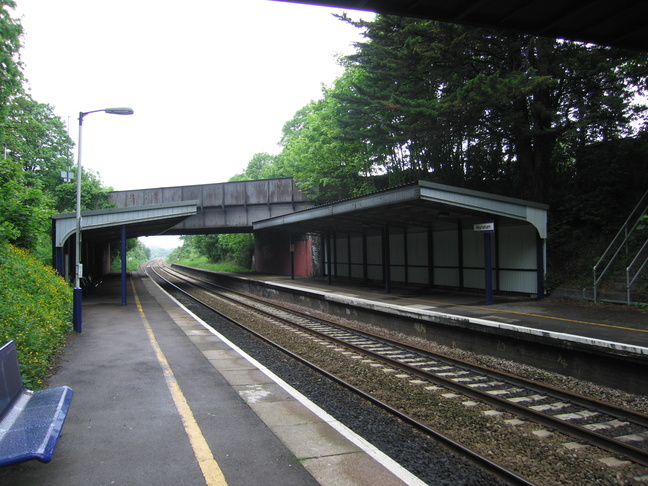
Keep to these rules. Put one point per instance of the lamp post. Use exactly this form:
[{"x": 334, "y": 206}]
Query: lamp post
[{"x": 77, "y": 297}]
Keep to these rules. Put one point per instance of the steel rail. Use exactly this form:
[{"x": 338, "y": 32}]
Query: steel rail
[{"x": 477, "y": 459}]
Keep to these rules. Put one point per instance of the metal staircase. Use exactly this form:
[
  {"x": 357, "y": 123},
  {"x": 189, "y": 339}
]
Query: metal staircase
[{"x": 631, "y": 238}]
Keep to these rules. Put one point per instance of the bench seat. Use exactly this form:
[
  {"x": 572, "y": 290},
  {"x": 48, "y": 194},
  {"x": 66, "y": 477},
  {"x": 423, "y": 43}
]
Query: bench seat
[{"x": 30, "y": 422}]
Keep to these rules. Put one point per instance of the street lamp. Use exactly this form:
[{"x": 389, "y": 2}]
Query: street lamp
[{"x": 77, "y": 298}]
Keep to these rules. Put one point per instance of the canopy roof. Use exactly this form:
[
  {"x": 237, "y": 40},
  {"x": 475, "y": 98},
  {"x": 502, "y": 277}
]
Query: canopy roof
[
  {"x": 423, "y": 204},
  {"x": 619, "y": 23}
]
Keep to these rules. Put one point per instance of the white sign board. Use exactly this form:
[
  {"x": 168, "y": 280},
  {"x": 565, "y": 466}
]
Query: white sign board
[{"x": 484, "y": 227}]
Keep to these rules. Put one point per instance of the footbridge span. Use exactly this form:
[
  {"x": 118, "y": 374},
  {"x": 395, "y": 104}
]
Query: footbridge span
[{"x": 230, "y": 207}]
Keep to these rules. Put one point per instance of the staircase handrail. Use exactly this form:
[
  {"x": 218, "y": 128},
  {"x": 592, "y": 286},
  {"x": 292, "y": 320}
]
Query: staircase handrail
[
  {"x": 622, "y": 230},
  {"x": 629, "y": 282}
]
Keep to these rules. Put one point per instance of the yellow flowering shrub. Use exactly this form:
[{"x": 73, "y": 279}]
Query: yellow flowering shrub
[{"x": 35, "y": 311}]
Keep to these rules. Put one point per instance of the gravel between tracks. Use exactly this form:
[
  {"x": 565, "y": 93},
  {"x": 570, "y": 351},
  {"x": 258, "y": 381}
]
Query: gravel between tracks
[{"x": 542, "y": 460}]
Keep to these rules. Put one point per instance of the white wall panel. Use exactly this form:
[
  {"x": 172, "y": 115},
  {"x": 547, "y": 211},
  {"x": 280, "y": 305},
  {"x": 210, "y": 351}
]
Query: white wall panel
[
  {"x": 517, "y": 247},
  {"x": 342, "y": 255},
  {"x": 516, "y": 253},
  {"x": 374, "y": 272},
  {"x": 418, "y": 275},
  {"x": 446, "y": 277},
  {"x": 398, "y": 274},
  {"x": 357, "y": 257},
  {"x": 417, "y": 246},
  {"x": 525, "y": 282},
  {"x": 396, "y": 246},
  {"x": 473, "y": 247},
  {"x": 446, "y": 250},
  {"x": 374, "y": 250}
]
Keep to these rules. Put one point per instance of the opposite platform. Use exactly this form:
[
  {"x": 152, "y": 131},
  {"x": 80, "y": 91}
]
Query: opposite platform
[{"x": 601, "y": 325}]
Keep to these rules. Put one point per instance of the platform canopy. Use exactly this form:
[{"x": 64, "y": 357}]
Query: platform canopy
[
  {"x": 619, "y": 23},
  {"x": 106, "y": 224},
  {"x": 423, "y": 204}
]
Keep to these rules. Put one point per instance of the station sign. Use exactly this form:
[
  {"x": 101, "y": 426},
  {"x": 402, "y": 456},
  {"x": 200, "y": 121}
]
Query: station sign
[{"x": 484, "y": 227}]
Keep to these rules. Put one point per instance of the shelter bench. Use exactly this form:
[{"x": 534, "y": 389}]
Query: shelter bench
[{"x": 30, "y": 421}]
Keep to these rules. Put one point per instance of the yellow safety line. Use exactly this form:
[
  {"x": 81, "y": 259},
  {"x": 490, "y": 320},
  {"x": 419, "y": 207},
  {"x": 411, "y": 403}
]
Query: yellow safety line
[
  {"x": 553, "y": 318},
  {"x": 208, "y": 465},
  {"x": 528, "y": 314}
]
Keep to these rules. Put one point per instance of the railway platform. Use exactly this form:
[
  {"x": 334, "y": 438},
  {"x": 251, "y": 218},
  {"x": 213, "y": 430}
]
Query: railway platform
[
  {"x": 557, "y": 314},
  {"x": 160, "y": 399}
]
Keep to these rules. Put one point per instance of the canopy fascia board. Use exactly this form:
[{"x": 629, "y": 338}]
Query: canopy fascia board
[{"x": 106, "y": 218}]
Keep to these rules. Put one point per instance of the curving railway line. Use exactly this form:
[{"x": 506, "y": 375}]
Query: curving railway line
[{"x": 621, "y": 432}]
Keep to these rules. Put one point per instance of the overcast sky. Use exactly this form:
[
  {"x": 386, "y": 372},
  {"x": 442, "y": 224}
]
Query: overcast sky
[{"x": 211, "y": 82}]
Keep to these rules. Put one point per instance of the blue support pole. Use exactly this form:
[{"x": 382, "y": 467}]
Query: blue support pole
[
  {"x": 123, "y": 265},
  {"x": 59, "y": 258},
  {"x": 77, "y": 318},
  {"x": 488, "y": 268}
]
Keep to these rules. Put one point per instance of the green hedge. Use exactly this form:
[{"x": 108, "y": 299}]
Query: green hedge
[{"x": 35, "y": 311}]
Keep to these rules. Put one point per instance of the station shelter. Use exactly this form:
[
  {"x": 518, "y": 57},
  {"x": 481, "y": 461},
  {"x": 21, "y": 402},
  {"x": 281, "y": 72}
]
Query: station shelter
[{"x": 419, "y": 235}]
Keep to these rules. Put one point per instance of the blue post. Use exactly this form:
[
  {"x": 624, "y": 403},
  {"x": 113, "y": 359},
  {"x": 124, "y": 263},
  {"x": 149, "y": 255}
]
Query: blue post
[
  {"x": 488, "y": 268},
  {"x": 59, "y": 259},
  {"x": 77, "y": 319},
  {"x": 123, "y": 265}
]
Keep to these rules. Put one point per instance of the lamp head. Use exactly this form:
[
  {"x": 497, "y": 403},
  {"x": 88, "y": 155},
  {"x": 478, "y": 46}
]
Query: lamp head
[{"x": 119, "y": 111}]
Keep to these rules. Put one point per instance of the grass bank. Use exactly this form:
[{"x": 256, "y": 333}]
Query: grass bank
[{"x": 203, "y": 262}]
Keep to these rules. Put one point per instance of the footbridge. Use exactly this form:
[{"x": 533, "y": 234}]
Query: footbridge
[{"x": 230, "y": 207}]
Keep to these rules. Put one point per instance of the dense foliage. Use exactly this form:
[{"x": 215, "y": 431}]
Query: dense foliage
[
  {"x": 23, "y": 208},
  {"x": 233, "y": 252},
  {"x": 10, "y": 70},
  {"x": 35, "y": 311},
  {"x": 136, "y": 254}
]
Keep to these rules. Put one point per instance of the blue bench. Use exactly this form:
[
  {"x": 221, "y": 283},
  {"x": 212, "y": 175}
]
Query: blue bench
[{"x": 30, "y": 422}]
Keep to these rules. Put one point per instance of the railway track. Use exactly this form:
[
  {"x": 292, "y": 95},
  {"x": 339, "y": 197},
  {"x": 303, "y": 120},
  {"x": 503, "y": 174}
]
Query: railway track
[{"x": 619, "y": 431}]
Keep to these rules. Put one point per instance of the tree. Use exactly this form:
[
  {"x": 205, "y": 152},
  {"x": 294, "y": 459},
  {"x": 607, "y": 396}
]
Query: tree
[
  {"x": 208, "y": 245},
  {"x": 261, "y": 166},
  {"x": 39, "y": 140},
  {"x": 481, "y": 108},
  {"x": 325, "y": 160},
  {"x": 24, "y": 211},
  {"x": 10, "y": 70},
  {"x": 93, "y": 194},
  {"x": 236, "y": 248}
]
